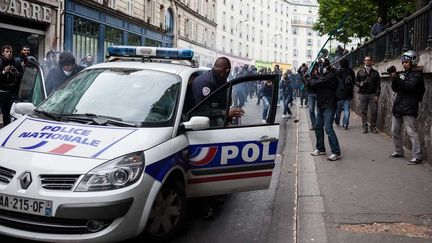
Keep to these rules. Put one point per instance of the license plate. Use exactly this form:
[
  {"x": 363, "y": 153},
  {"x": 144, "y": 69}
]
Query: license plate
[{"x": 26, "y": 205}]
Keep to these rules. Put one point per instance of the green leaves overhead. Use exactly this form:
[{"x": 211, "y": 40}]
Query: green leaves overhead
[{"x": 362, "y": 14}]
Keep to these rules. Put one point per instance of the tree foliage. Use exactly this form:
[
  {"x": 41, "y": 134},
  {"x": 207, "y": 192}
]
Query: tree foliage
[{"x": 361, "y": 15}]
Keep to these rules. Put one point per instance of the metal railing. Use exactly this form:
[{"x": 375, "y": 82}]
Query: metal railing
[{"x": 412, "y": 33}]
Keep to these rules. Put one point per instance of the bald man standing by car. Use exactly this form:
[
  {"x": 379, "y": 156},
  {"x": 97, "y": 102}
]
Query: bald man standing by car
[{"x": 208, "y": 82}]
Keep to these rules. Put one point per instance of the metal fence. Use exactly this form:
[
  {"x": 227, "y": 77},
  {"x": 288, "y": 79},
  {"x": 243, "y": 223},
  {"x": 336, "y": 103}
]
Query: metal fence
[{"x": 412, "y": 33}]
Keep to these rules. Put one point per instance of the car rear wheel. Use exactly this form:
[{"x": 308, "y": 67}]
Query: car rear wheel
[{"x": 168, "y": 212}]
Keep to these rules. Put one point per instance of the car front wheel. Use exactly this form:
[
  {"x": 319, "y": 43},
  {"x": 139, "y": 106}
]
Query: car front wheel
[{"x": 168, "y": 212}]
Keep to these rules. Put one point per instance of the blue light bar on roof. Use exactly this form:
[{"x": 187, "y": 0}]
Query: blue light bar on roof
[{"x": 146, "y": 51}]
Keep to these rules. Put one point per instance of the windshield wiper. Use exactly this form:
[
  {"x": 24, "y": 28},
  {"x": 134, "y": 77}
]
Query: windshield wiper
[
  {"x": 99, "y": 120},
  {"x": 55, "y": 117}
]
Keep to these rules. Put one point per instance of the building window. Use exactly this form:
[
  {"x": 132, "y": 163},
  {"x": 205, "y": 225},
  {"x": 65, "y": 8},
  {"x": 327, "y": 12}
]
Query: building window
[
  {"x": 309, "y": 32},
  {"x": 134, "y": 40},
  {"x": 129, "y": 7},
  {"x": 169, "y": 21},
  {"x": 113, "y": 37},
  {"x": 295, "y": 64},
  {"x": 309, "y": 42},
  {"x": 85, "y": 38},
  {"x": 150, "y": 42},
  {"x": 295, "y": 52},
  {"x": 309, "y": 20},
  {"x": 294, "y": 30},
  {"x": 309, "y": 53}
]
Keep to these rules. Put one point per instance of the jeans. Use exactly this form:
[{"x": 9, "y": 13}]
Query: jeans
[
  {"x": 324, "y": 120},
  {"x": 6, "y": 101},
  {"x": 266, "y": 105},
  {"x": 312, "y": 99},
  {"x": 303, "y": 96},
  {"x": 345, "y": 105},
  {"x": 409, "y": 122},
  {"x": 365, "y": 101},
  {"x": 286, "y": 99}
]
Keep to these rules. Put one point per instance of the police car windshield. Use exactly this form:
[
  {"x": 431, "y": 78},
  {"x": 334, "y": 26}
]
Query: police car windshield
[{"x": 145, "y": 97}]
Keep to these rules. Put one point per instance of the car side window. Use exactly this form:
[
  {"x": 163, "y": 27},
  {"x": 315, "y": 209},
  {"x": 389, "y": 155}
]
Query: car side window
[
  {"x": 251, "y": 96},
  {"x": 214, "y": 107},
  {"x": 254, "y": 97}
]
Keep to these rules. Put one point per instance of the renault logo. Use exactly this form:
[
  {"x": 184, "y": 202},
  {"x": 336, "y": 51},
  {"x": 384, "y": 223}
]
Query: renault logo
[{"x": 25, "y": 180}]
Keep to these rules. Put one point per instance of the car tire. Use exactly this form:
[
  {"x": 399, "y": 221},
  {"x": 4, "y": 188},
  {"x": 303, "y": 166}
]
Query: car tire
[{"x": 168, "y": 212}]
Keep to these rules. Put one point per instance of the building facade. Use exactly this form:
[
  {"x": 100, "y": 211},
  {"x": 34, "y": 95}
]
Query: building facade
[
  {"x": 32, "y": 23},
  {"x": 305, "y": 42},
  {"x": 195, "y": 28},
  {"x": 260, "y": 32},
  {"x": 92, "y": 26}
]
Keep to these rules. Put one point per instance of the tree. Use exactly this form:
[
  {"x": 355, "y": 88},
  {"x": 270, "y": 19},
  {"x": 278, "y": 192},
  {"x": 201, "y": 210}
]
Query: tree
[{"x": 362, "y": 14}]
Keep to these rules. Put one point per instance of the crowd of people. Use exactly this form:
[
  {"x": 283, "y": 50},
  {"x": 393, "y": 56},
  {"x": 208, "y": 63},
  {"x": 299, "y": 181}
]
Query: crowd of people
[
  {"x": 56, "y": 66},
  {"x": 328, "y": 91}
]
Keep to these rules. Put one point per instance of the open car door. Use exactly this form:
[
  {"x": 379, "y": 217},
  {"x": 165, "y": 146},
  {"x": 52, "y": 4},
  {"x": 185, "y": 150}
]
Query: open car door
[
  {"x": 234, "y": 154},
  {"x": 32, "y": 87}
]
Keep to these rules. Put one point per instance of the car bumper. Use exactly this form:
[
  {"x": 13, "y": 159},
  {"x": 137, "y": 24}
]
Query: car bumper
[{"x": 109, "y": 216}]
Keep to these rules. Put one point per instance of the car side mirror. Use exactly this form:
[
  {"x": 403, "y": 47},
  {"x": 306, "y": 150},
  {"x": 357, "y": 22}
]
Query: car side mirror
[
  {"x": 24, "y": 108},
  {"x": 197, "y": 123}
]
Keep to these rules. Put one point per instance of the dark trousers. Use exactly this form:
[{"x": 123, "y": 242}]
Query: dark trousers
[{"x": 6, "y": 100}]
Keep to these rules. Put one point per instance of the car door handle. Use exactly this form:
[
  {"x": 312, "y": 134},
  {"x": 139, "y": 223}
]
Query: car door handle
[{"x": 267, "y": 139}]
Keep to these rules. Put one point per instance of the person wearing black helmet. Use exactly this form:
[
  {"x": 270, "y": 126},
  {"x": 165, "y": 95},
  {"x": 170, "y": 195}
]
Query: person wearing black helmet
[
  {"x": 66, "y": 69},
  {"x": 325, "y": 88},
  {"x": 410, "y": 88}
]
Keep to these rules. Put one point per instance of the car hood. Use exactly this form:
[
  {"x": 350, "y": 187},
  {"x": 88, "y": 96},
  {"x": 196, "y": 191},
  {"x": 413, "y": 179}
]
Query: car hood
[{"x": 78, "y": 140}]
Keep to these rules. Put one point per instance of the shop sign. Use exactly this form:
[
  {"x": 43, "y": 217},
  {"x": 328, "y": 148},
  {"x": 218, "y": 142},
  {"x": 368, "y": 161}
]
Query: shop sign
[{"x": 26, "y": 9}]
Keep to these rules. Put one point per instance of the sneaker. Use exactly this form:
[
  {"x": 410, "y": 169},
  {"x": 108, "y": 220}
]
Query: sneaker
[
  {"x": 334, "y": 157},
  {"x": 373, "y": 129},
  {"x": 317, "y": 153},
  {"x": 414, "y": 161},
  {"x": 365, "y": 130},
  {"x": 289, "y": 116},
  {"x": 264, "y": 121},
  {"x": 283, "y": 116},
  {"x": 345, "y": 127},
  {"x": 396, "y": 155},
  {"x": 312, "y": 128}
]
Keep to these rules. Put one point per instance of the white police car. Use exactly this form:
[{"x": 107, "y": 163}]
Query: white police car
[{"x": 114, "y": 154}]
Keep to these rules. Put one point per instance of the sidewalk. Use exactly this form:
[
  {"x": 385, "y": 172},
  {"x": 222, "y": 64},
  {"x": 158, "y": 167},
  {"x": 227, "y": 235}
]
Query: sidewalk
[{"x": 335, "y": 198}]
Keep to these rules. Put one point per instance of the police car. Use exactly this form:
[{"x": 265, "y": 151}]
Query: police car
[{"x": 116, "y": 151}]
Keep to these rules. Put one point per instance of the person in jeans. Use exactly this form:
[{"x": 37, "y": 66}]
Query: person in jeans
[
  {"x": 344, "y": 93},
  {"x": 266, "y": 94},
  {"x": 326, "y": 87},
  {"x": 287, "y": 94},
  {"x": 368, "y": 81},
  {"x": 410, "y": 88},
  {"x": 312, "y": 97}
]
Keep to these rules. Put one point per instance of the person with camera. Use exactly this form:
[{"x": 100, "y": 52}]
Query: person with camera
[
  {"x": 368, "y": 81},
  {"x": 10, "y": 78},
  {"x": 410, "y": 88},
  {"x": 325, "y": 88}
]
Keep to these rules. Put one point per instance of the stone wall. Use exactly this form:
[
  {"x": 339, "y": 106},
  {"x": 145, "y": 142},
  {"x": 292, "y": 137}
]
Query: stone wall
[{"x": 385, "y": 104}]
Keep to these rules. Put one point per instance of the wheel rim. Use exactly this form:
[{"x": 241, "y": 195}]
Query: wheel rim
[{"x": 165, "y": 213}]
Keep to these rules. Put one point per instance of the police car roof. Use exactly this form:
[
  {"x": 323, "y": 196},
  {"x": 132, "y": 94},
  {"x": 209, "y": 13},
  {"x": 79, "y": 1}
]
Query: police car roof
[{"x": 157, "y": 66}]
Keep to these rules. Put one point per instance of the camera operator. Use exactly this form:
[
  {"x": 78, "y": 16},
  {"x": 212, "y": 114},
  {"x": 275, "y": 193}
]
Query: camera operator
[
  {"x": 410, "y": 89},
  {"x": 10, "y": 77}
]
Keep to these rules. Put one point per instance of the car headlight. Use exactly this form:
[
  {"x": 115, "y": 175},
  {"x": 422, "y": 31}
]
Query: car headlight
[{"x": 117, "y": 173}]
